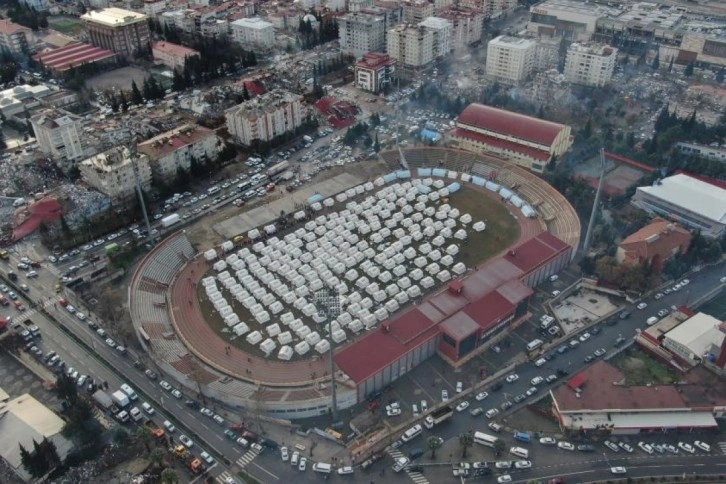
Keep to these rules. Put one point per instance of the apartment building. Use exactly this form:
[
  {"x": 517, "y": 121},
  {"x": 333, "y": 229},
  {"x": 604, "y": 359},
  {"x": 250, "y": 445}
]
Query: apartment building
[
  {"x": 37, "y": 5},
  {"x": 14, "y": 38},
  {"x": 253, "y": 33},
  {"x": 265, "y": 117},
  {"x": 416, "y": 11},
  {"x": 510, "y": 59},
  {"x": 466, "y": 25},
  {"x": 171, "y": 55},
  {"x": 374, "y": 72},
  {"x": 412, "y": 46},
  {"x": 547, "y": 53},
  {"x": 171, "y": 151},
  {"x": 492, "y": 9},
  {"x": 122, "y": 31},
  {"x": 152, "y": 8},
  {"x": 590, "y": 64},
  {"x": 442, "y": 30},
  {"x": 112, "y": 173},
  {"x": 360, "y": 33},
  {"x": 58, "y": 134}
]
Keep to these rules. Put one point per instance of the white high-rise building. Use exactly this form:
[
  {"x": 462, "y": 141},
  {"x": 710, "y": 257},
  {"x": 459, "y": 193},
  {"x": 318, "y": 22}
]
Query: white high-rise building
[
  {"x": 412, "y": 46},
  {"x": 361, "y": 33},
  {"x": 265, "y": 117},
  {"x": 590, "y": 64},
  {"x": 467, "y": 25},
  {"x": 442, "y": 30},
  {"x": 510, "y": 59},
  {"x": 59, "y": 136},
  {"x": 253, "y": 33},
  {"x": 112, "y": 173}
]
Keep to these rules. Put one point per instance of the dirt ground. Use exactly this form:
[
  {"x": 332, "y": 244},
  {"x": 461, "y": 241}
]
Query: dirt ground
[
  {"x": 118, "y": 78},
  {"x": 526, "y": 420}
]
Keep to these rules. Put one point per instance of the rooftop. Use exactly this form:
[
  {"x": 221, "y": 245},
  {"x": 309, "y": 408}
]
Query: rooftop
[
  {"x": 700, "y": 334},
  {"x": 264, "y": 103},
  {"x": 511, "y": 41},
  {"x": 501, "y": 143},
  {"x": 54, "y": 118},
  {"x": 436, "y": 23},
  {"x": 375, "y": 60},
  {"x": 114, "y": 17},
  {"x": 73, "y": 55},
  {"x": 9, "y": 28},
  {"x": 253, "y": 23},
  {"x": 509, "y": 123},
  {"x": 536, "y": 251},
  {"x": 602, "y": 50},
  {"x": 165, "y": 143},
  {"x": 691, "y": 194},
  {"x": 173, "y": 49},
  {"x": 109, "y": 160},
  {"x": 659, "y": 237}
]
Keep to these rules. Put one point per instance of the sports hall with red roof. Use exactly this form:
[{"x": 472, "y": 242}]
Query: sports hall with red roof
[
  {"x": 526, "y": 141},
  {"x": 73, "y": 55},
  {"x": 457, "y": 321}
]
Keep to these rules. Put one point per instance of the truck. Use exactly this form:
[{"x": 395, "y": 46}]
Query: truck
[
  {"x": 104, "y": 401},
  {"x": 170, "y": 220},
  {"x": 438, "y": 416},
  {"x": 120, "y": 398},
  {"x": 278, "y": 168}
]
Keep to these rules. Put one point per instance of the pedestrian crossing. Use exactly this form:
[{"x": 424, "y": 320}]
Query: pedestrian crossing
[
  {"x": 416, "y": 477},
  {"x": 722, "y": 446},
  {"x": 226, "y": 478}
]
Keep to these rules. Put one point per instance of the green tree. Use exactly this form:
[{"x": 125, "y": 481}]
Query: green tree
[
  {"x": 66, "y": 388},
  {"x": 169, "y": 476},
  {"x": 29, "y": 462},
  {"x": 466, "y": 440},
  {"x": 120, "y": 436},
  {"x": 136, "y": 97},
  {"x": 143, "y": 435},
  {"x": 433, "y": 443},
  {"x": 688, "y": 71},
  {"x": 156, "y": 456},
  {"x": 114, "y": 102},
  {"x": 123, "y": 102},
  {"x": 499, "y": 447}
]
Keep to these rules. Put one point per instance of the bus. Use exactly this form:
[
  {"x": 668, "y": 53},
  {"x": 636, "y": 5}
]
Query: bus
[
  {"x": 411, "y": 433},
  {"x": 484, "y": 439}
]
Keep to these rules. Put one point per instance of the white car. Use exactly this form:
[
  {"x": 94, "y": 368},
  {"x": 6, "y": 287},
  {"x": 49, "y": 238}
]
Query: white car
[
  {"x": 176, "y": 393},
  {"x": 565, "y": 445},
  {"x": 207, "y": 412},
  {"x": 295, "y": 459},
  {"x": 647, "y": 448},
  {"x": 393, "y": 412},
  {"x": 722, "y": 280},
  {"x": 481, "y": 396},
  {"x": 256, "y": 446},
  {"x": 522, "y": 464},
  {"x": 584, "y": 337},
  {"x": 642, "y": 305},
  {"x": 512, "y": 378},
  {"x": 400, "y": 464},
  {"x": 536, "y": 381},
  {"x": 207, "y": 458},
  {"x": 702, "y": 445},
  {"x": 686, "y": 447},
  {"x": 218, "y": 419},
  {"x": 626, "y": 447},
  {"x": 459, "y": 387},
  {"x": 345, "y": 470},
  {"x": 81, "y": 316},
  {"x": 491, "y": 413},
  {"x": 611, "y": 446},
  {"x": 165, "y": 385},
  {"x": 618, "y": 470},
  {"x": 503, "y": 464},
  {"x": 556, "y": 293},
  {"x": 424, "y": 406},
  {"x": 504, "y": 478},
  {"x": 303, "y": 464},
  {"x": 283, "y": 454},
  {"x": 169, "y": 426},
  {"x": 547, "y": 441},
  {"x": 186, "y": 441},
  {"x": 444, "y": 396},
  {"x": 462, "y": 406}
]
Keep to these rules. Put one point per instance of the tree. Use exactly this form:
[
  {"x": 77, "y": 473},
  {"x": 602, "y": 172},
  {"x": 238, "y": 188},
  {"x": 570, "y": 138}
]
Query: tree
[
  {"x": 136, "y": 97},
  {"x": 156, "y": 456},
  {"x": 114, "y": 102},
  {"x": 688, "y": 71},
  {"x": 120, "y": 436},
  {"x": 466, "y": 440},
  {"x": 29, "y": 462},
  {"x": 433, "y": 443},
  {"x": 169, "y": 476},
  {"x": 66, "y": 388},
  {"x": 143, "y": 434},
  {"x": 499, "y": 447},
  {"x": 376, "y": 144},
  {"x": 123, "y": 102}
]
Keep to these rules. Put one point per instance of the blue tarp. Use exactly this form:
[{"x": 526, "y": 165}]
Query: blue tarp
[
  {"x": 430, "y": 135},
  {"x": 403, "y": 174},
  {"x": 423, "y": 189},
  {"x": 315, "y": 198},
  {"x": 454, "y": 187},
  {"x": 477, "y": 180},
  {"x": 493, "y": 186},
  {"x": 424, "y": 172},
  {"x": 439, "y": 172},
  {"x": 389, "y": 177}
]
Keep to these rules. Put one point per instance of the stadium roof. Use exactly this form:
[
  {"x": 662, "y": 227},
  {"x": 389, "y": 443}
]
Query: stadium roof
[
  {"x": 508, "y": 123},
  {"x": 536, "y": 251},
  {"x": 704, "y": 199},
  {"x": 502, "y": 144},
  {"x": 73, "y": 55}
]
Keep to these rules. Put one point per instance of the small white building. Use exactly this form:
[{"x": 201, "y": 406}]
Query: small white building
[
  {"x": 58, "y": 134},
  {"x": 696, "y": 339},
  {"x": 112, "y": 173},
  {"x": 510, "y": 59},
  {"x": 253, "y": 33}
]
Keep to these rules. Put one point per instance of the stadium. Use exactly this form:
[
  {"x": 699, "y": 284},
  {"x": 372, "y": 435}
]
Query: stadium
[{"x": 437, "y": 255}]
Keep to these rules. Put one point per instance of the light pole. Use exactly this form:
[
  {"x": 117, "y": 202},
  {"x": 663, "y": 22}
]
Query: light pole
[{"x": 328, "y": 305}]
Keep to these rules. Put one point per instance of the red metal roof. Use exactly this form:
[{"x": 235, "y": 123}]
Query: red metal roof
[
  {"x": 28, "y": 219},
  {"x": 509, "y": 123},
  {"x": 577, "y": 381},
  {"x": 628, "y": 161},
  {"x": 502, "y": 144},
  {"x": 490, "y": 310},
  {"x": 73, "y": 55},
  {"x": 536, "y": 251}
]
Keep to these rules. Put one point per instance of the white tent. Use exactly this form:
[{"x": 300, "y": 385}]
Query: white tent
[
  {"x": 452, "y": 249},
  {"x": 459, "y": 268},
  {"x": 427, "y": 282},
  {"x": 438, "y": 241},
  {"x": 338, "y": 335},
  {"x": 312, "y": 338},
  {"x": 465, "y": 219},
  {"x": 460, "y": 234},
  {"x": 240, "y": 329},
  {"x": 254, "y": 337},
  {"x": 227, "y": 246},
  {"x": 443, "y": 276},
  {"x": 296, "y": 324},
  {"x": 356, "y": 326},
  {"x": 405, "y": 282},
  {"x": 434, "y": 255},
  {"x": 253, "y": 234},
  {"x": 210, "y": 255},
  {"x": 432, "y": 268},
  {"x": 322, "y": 346},
  {"x": 262, "y": 317},
  {"x": 285, "y": 353},
  {"x": 276, "y": 307},
  {"x": 381, "y": 314},
  {"x": 284, "y": 338},
  {"x": 268, "y": 346},
  {"x": 401, "y": 298},
  {"x": 316, "y": 207},
  {"x": 300, "y": 215},
  {"x": 302, "y": 348},
  {"x": 328, "y": 202},
  {"x": 231, "y": 319},
  {"x": 446, "y": 260},
  {"x": 413, "y": 291},
  {"x": 479, "y": 226},
  {"x": 420, "y": 261},
  {"x": 391, "y": 306}
]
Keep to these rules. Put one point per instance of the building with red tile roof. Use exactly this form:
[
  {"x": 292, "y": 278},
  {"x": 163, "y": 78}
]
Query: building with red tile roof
[
  {"x": 14, "y": 38},
  {"x": 599, "y": 398},
  {"x": 374, "y": 71},
  {"x": 172, "y": 55},
  {"x": 73, "y": 55},
  {"x": 526, "y": 141},
  {"x": 458, "y": 322},
  {"x": 654, "y": 244}
]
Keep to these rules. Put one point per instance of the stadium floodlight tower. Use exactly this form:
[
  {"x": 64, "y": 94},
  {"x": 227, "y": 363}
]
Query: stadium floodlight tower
[
  {"x": 327, "y": 302},
  {"x": 595, "y": 205},
  {"x": 133, "y": 155}
]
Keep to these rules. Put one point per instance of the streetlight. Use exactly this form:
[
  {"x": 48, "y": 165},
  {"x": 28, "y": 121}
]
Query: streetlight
[{"x": 328, "y": 305}]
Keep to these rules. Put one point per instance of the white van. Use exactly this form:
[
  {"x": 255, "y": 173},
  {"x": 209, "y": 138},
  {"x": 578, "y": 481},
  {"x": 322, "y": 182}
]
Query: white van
[
  {"x": 322, "y": 467},
  {"x": 130, "y": 392},
  {"x": 148, "y": 408},
  {"x": 412, "y": 433},
  {"x": 534, "y": 344},
  {"x": 519, "y": 452},
  {"x": 546, "y": 321},
  {"x": 651, "y": 320}
]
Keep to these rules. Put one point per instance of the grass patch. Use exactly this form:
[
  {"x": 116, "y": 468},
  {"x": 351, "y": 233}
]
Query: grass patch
[
  {"x": 642, "y": 369},
  {"x": 716, "y": 307},
  {"x": 501, "y": 231},
  {"x": 66, "y": 25}
]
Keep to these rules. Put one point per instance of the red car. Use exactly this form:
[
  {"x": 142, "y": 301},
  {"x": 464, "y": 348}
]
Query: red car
[{"x": 373, "y": 405}]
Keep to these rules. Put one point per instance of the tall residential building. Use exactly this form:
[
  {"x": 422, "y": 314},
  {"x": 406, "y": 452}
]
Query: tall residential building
[
  {"x": 547, "y": 53},
  {"x": 36, "y": 5},
  {"x": 590, "y": 64},
  {"x": 492, "y": 9},
  {"x": 171, "y": 151},
  {"x": 467, "y": 25},
  {"x": 358, "y": 5},
  {"x": 253, "y": 33},
  {"x": 360, "y": 33},
  {"x": 122, "y": 31},
  {"x": 374, "y": 72},
  {"x": 59, "y": 136},
  {"x": 14, "y": 38},
  {"x": 412, "y": 46},
  {"x": 265, "y": 117},
  {"x": 112, "y": 173},
  {"x": 510, "y": 59},
  {"x": 415, "y": 11},
  {"x": 442, "y": 30}
]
